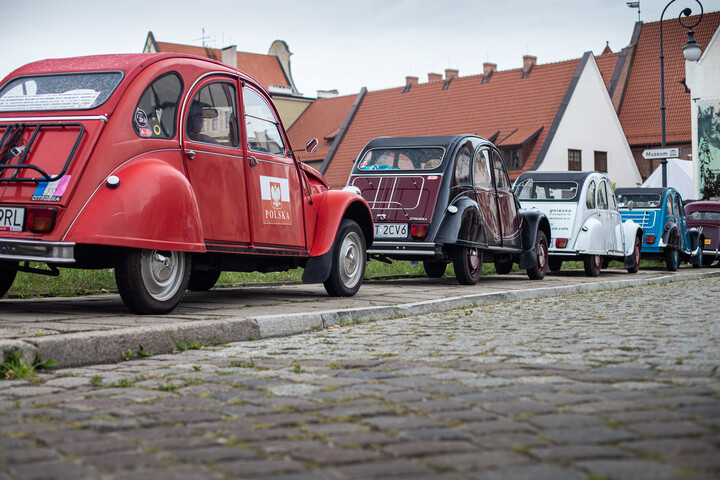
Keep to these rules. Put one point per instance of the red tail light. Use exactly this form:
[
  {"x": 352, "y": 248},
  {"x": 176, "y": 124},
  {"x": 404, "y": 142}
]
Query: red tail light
[
  {"x": 41, "y": 219},
  {"x": 649, "y": 239},
  {"x": 418, "y": 230},
  {"x": 561, "y": 242}
]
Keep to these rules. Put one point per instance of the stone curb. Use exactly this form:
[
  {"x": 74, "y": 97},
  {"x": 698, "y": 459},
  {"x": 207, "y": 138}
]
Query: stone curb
[{"x": 89, "y": 348}]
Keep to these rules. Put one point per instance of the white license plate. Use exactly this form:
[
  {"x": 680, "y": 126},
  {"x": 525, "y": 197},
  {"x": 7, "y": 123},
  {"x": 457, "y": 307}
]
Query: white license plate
[
  {"x": 12, "y": 219},
  {"x": 391, "y": 230}
]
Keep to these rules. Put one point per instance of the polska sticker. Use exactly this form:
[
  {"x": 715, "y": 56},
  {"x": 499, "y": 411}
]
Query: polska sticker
[
  {"x": 275, "y": 195},
  {"x": 146, "y": 132},
  {"x": 141, "y": 118},
  {"x": 51, "y": 191}
]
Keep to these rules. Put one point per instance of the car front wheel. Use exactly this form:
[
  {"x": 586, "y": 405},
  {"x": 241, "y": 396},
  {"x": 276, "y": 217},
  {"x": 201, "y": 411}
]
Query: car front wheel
[
  {"x": 468, "y": 263},
  {"x": 503, "y": 264},
  {"x": 636, "y": 256},
  {"x": 592, "y": 264},
  {"x": 7, "y": 277},
  {"x": 203, "y": 280},
  {"x": 434, "y": 269},
  {"x": 554, "y": 264},
  {"x": 153, "y": 281},
  {"x": 348, "y": 263},
  {"x": 541, "y": 257}
]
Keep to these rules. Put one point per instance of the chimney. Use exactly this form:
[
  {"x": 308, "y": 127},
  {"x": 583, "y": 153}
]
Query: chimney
[
  {"x": 411, "y": 80},
  {"x": 528, "y": 63},
  {"x": 451, "y": 73},
  {"x": 229, "y": 56},
  {"x": 327, "y": 93},
  {"x": 434, "y": 77},
  {"x": 489, "y": 68}
]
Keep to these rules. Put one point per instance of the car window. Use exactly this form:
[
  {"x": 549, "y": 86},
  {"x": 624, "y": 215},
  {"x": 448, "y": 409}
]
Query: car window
[
  {"x": 212, "y": 117},
  {"x": 462, "y": 164},
  {"x": 602, "y": 196},
  {"x": 156, "y": 111},
  {"x": 263, "y": 134},
  {"x": 590, "y": 198},
  {"x": 612, "y": 202},
  {"x": 699, "y": 215},
  {"x": 668, "y": 205},
  {"x": 502, "y": 182},
  {"x": 402, "y": 159},
  {"x": 547, "y": 190},
  {"x": 677, "y": 208},
  {"x": 638, "y": 200},
  {"x": 481, "y": 169}
]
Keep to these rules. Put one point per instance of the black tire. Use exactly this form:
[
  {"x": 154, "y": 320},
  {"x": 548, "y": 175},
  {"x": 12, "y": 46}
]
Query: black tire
[
  {"x": 672, "y": 258},
  {"x": 554, "y": 264},
  {"x": 541, "y": 257},
  {"x": 348, "y": 262},
  {"x": 700, "y": 258},
  {"x": 203, "y": 280},
  {"x": 592, "y": 264},
  {"x": 153, "y": 282},
  {"x": 434, "y": 269},
  {"x": 7, "y": 277},
  {"x": 468, "y": 263},
  {"x": 707, "y": 261},
  {"x": 503, "y": 264},
  {"x": 637, "y": 246}
]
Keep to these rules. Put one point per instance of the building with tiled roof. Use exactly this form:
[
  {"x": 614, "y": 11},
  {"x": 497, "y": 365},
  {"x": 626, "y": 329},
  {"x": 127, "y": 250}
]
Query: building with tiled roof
[
  {"x": 536, "y": 115},
  {"x": 272, "y": 71},
  {"x": 638, "y": 99}
]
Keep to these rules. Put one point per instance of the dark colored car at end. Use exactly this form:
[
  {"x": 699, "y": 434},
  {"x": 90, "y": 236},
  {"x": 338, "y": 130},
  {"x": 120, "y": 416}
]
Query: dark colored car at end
[
  {"x": 705, "y": 216},
  {"x": 448, "y": 199}
]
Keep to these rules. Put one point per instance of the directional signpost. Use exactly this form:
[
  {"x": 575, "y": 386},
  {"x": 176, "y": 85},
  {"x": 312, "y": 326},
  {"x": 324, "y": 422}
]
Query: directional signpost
[{"x": 662, "y": 153}]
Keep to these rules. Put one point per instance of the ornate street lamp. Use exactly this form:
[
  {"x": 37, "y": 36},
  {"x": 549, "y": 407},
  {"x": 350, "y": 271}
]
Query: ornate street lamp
[{"x": 692, "y": 53}]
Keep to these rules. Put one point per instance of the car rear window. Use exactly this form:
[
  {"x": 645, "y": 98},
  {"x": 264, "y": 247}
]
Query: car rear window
[
  {"x": 402, "y": 159},
  {"x": 536, "y": 190},
  {"x": 699, "y": 215},
  {"x": 74, "y": 91},
  {"x": 639, "y": 200}
]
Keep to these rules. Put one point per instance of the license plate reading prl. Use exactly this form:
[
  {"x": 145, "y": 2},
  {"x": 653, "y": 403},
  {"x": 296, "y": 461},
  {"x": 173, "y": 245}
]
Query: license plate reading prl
[
  {"x": 12, "y": 219},
  {"x": 391, "y": 230}
]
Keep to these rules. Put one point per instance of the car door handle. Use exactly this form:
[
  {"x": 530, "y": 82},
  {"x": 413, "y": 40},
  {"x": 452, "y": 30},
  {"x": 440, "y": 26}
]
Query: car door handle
[
  {"x": 190, "y": 154},
  {"x": 253, "y": 162}
]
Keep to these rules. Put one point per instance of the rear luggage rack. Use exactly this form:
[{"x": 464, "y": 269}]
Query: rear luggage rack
[{"x": 10, "y": 149}]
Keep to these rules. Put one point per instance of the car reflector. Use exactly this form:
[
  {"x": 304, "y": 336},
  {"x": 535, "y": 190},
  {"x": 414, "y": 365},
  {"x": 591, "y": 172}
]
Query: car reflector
[
  {"x": 561, "y": 242},
  {"x": 650, "y": 239},
  {"x": 41, "y": 219},
  {"x": 418, "y": 230}
]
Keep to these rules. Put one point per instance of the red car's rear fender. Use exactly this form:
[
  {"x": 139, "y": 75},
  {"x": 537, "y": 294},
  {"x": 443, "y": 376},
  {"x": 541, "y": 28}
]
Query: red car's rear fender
[
  {"x": 153, "y": 206},
  {"x": 334, "y": 206}
]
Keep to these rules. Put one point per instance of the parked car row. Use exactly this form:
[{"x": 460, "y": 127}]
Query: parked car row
[{"x": 172, "y": 168}]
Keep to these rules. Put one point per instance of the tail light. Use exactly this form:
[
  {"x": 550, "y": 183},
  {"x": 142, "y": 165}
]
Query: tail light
[
  {"x": 418, "y": 230},
  {"x": 561, "y": 242},
  {"x": 41, "y": 219},
  {"x": 649, "y": 239}
]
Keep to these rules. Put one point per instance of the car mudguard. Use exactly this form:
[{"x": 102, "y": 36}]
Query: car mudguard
[
  {"x": 696, "y": 244},
  {"x": 532, "y": 222},
  {"x": 333, "y": 207},
  {"x": 466, "y": 226},
  {"x": 152, "y": 206},
  {"x": 631, "y": 230},
  {"x": 591, "y": 237}
]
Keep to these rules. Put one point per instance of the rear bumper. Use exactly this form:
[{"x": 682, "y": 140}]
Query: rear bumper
[
  {"x": 405, "y": 249},
  {"x": 15, "y": 250}
]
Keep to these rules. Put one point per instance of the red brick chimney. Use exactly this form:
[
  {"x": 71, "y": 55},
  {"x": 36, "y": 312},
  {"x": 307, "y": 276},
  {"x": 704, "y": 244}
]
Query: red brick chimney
[
  {"x": 434, "y": 77},
  {"x": 450, "y": 73},
  {"x": 411, "y": 80},
  {"x": 528, "y": 63},
  {"x": 489, "y": 68}
]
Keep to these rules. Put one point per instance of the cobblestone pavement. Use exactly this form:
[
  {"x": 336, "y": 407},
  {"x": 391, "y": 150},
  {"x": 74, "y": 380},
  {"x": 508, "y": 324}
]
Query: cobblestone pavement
[{"x": 615, "y": 384}]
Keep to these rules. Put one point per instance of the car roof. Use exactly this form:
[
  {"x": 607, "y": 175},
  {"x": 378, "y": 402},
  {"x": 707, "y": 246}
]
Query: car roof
[
  {"x": 560, "y": 176},
  {"x": 642, "y": 190},
  {"x": 704, "y": 205},
  {"x": 445, "y": 141}
]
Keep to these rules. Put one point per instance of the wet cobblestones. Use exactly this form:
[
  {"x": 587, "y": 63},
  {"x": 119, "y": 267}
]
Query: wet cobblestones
[{"x": 616, "y": 384}]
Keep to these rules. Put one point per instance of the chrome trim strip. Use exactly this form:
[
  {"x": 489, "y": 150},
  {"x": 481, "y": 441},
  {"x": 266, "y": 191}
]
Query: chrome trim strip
[
  {"x": 430, "y": 253},
  {"x": 404, "y": 244},
  {"x": 36, "y": 251},
  {"x": 103, "y": 118}
]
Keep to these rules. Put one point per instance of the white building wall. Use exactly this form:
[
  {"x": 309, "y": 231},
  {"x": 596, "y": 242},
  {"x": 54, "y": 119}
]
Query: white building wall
[
  {"x": 590, "y": 124},
  {"x": 703, "y": 79}
]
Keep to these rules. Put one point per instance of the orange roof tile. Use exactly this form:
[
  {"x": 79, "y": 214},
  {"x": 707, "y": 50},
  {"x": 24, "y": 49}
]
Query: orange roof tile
[
  {"x": 606, "y": 64},
  {"x": 321, "y": 120},
  {"x": 266, "y": 69},
  {"x": 640, "y": 111},
  {"x": 506, "y": 103}
]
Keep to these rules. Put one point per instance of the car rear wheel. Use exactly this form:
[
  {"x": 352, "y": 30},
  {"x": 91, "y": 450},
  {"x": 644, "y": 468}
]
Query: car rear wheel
[
  {"x": 541, "y": 257},
  {"x": 434, "y": 269},
  {"x": 203, "y": 280},
  {"x": 592, "y": 264},
  {"x": 348, "y": 263},
  {"x": 468, "y": 263},
  {"x": 707, "y": 261},
  {"x": 153, "y": 281},
  {"x": 636, "y": 256},
  {"x": 672, "y": 258},
  {"x": 7, "y": 277},
  {"x": 503, "y": 264},
  {"x": 554, "y": 264}
]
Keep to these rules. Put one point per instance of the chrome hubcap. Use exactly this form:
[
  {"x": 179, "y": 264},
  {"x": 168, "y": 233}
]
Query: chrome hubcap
[
  {"x": 162, "y": 273},
  {"x": 350, "y": 260}
]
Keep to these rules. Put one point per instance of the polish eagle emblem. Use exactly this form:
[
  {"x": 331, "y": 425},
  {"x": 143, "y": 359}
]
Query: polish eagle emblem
[{"x": 275, "y": 195}]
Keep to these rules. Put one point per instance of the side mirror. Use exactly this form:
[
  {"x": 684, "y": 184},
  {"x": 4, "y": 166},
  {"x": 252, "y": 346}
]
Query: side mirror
[{"x": 311, "y": 145}]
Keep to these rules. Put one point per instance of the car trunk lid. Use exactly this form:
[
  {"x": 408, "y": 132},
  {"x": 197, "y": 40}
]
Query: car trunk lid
[{"x": 399, "y": 198}]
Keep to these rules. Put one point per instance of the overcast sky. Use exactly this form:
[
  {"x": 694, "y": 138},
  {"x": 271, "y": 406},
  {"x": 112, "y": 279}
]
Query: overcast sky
[{"x": 336, "y": 44}]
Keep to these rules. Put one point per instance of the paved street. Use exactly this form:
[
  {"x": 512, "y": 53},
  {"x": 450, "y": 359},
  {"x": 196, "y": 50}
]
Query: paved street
[{"x": 619, "y": 383}]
